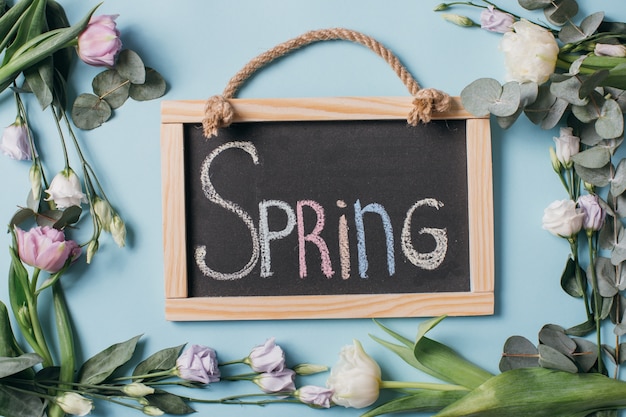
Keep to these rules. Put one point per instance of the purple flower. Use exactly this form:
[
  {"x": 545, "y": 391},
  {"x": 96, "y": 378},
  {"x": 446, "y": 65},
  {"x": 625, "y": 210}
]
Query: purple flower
[
  {"x": 268, "y": 357},
  {"x": 605, "y": 49},
  {"x": 314, "y": 395},
  {"x": 99, "y": 43},
  {"x": 45, "y": 248},
  {"x": 279, "y": 381},
  {"x": 496, "y": 20},
  {"x": 15, "y": 141},
  {"x": 594, "y": 214},
  {"x": 199, "y": 364}
]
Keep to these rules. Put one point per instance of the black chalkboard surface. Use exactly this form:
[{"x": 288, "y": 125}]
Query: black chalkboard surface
[
  {"x": 300, "y": 218},
  {"x": 368, "y": 174}
]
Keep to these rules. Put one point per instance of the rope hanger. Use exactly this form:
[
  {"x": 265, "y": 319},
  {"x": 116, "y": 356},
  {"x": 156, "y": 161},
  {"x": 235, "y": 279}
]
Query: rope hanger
[{"x": 219, "y": 112}]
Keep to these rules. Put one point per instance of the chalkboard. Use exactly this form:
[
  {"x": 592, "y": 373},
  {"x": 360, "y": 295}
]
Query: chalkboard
[{"x": 322, "y": 208}]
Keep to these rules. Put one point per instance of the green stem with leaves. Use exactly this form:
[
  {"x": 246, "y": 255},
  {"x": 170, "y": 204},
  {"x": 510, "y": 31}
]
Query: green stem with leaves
[{"x": 597, "y": 305}]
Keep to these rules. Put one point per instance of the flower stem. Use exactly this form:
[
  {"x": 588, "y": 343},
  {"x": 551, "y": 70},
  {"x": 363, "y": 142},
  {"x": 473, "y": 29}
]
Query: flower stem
[
  {"x": 421, "y": 385},
  {"x": 596, "y": 300}
]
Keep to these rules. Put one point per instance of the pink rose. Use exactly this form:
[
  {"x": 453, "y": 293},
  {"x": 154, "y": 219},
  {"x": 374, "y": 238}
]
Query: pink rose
[
  {"x": 495, "y": 20},
  {"x": 45, "y": 248},
  {"x": 199, "y": 364},
  {"x": 100, "y": 42}
]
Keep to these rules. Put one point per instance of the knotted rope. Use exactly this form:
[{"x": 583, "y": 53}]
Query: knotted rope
[{"x": 219, "y": 112}]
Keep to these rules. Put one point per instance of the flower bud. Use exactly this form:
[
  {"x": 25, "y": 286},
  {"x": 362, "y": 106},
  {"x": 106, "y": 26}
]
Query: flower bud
[
  {"x": 441, "y": 7},
  {"x": 118, "y": 231},
  {"x": 605, "y": 49},
  {"x": 137, "y": 389},
  {"x": 104, "y": 213},
  {"x": 34, "y": 175},
  {"x": 567, "y": 145},
  {"x": 309, "y": 369},
  {"x": 556, "y": 164},
  {"x": 92, "y": 248},
  {"x": 73, "y": 403},
  {"x": 15, "y": 143},
  {"x": 495, "y": 20},
  {"x": 459, "y": 20},
  {"x": 151, "y": 410}
]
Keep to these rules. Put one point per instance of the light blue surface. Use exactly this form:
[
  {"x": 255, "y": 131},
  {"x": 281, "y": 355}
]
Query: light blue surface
[{"x": 197, "y": 46}]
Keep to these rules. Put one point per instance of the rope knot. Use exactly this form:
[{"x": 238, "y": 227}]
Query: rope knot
[
  {"x": 425, "y": 101},
  {"x": 218, "y": 113}
]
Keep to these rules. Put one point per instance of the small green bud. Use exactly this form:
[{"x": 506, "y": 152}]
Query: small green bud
[
  {"x": 151, "y": 410},
  {"x": 591, "y": 189},
  {"x": 442, "y": 6},
  {"x": 309, "y": 369},
  {"x": 92, "y": 248},
  {"x": 459, "y": 20},
  {"x": 35, "y": 180},
  {"x": 104, "y": 213},
  {"x": 118, "y": 231},
  {"x": 137, "y": 389},
  {"x": 556, "y": 164}
]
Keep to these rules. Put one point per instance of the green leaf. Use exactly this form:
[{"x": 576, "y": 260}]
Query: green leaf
[
  {"x": 69, "y": 216},
  {"x": 13, "y": 365},
  {"x": 508, "y": 102},
  {"x": 518, "y": 352},
  {"x": 11, "y": 17},
  {"x": 610, "y": 124},
  {"x": 422, "y": 401},
  {"x": 110, "y": 86},
  {"x": 538, "y": 110},
  {"x": 539, "y": 392},
  {"x": 592, "y": 82},
  {"x": 568, "y": 89},
  {"x": 535, "y": 4},
  {"x": 551, "y": 358},
  {"x": 595, "y": 157},
  {"x": 599, "y": 177},
  {"x": 17, "y": 404},
  {"x": 555, "y": 337},
  {"x": 618, "y": 253},
  {"x": 21, "y": 216},
  {"x": 605, "y": 274},
  {"x": 32, "y": 25},
  {"x": 572, "y": 33},
  {"x": 130, "y": 66},
  {"x": 153, "y": 88},
  {"x": 569, "y": 282},
  {"x": 8, "y": 344},
  {"x": 89, "y": 111},
  {"x": 478, "y": 96},
  {"x": 590, "y": 111},
  {"x": 102, "y": 365},
  {"x": 618, "y": 183},
  {"x": 582, "y": 329},
  {"x": 160, "y": 361},
  {"x": 561, "y": 11},
  {"x": 40, "y": 80},
  {"x": 586, "y": 354},
  {"x": 169, "y": 403},
  {"x": 555, "y": 113}
]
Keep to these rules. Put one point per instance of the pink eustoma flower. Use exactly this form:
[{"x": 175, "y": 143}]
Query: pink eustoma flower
[
  {"x": 99, "y": 43},
  {"x": 268, "y": 357},
  {"x": 14, "y": 142},
  {"x": 276, "y": 382},
  {"x": 198, "y": 364},
  {"x": 45, "y": 248}
]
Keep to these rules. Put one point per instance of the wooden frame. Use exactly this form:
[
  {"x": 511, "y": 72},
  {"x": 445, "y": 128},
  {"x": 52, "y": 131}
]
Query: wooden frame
[{"x": 179, "y": 307}]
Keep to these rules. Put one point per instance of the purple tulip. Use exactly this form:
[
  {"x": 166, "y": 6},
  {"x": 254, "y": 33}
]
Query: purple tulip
[
  {"x": 45, "y": 248},
  {"x": 198, "y": 364},
  {"x": 99, "y": 43},
  {"x": 279, "y": 381}
]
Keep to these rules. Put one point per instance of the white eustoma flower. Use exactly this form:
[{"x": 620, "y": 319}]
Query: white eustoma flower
[
  {"x": 73, "y": 403},
  {"x": 530, "y": 53},
  {"x": 355, "y": 379},
  {"x": 65, "y": 190},
  {"x": 562, "y": 218},
  {"x": 567, "y": 145}
]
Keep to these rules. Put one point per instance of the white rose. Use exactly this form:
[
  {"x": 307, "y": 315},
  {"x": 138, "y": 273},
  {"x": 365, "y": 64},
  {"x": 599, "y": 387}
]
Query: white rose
[
  {"x": 65, "y": 190},
  {"x": 355, "y": 379},
  {"x": 562, "y": 218},
  {"x": 530, "y": 53}
]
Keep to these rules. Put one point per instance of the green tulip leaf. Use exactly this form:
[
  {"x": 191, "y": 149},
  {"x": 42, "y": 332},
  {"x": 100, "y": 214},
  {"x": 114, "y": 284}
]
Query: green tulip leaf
[
  {"x": 569, "y": 90},
  {"x": 478, "y": 96},
  {"x": 610, "y": 124},
  {"x": 169, "y": 403},
  {"x": 9, "y": 348},
  {"x": 160, "y": 361},
  {"x": 40, "y": 80},
  {"x": 595, "y": 157},
  {"x": 13, "y": 365},
  {"x": 561, "y": 11},
  {"x": 519, "y": 352},
  {"x": 535, "y": 4},
  {"x": 569, "y": 282},
  {"x": 111, "y": 87},
  {"x": 599, "y": 177},
  {"x": 153, "y": 88},
  {"x": 99, "y": 367},
  {"x": 618, "y": 183},
  {"x": 89, "y": 111},
  {"x": 17, "y": 404},
  {"x": 130, "y": 66},
  {"x": 422, "y": 401},
  {"x": 551, "y": 358}
]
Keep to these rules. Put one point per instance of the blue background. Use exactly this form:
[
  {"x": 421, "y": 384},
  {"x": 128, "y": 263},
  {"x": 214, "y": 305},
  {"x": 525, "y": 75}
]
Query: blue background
[{"x": 197, "y": 46}]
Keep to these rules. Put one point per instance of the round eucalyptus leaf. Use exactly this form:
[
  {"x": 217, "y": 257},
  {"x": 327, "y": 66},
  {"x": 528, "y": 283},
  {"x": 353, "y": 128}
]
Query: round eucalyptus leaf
[
  {"x": 610, "y": 124},
  {"x": 519, "y": 352},
  {"x": 617, "y": 95},
  {"x": 535, "y": 4},
  {"x": 89, "y": 111},
  {"x": 555, "y": 337},
  {"x": 618, "y": 183},
  {"x": 586, "y": 354},
  {"x": 130, "y": 66},
  {"x": 618, "y": 254},
  {"x": 561, "y": 11},
  {"x": 572, "y": 33},
  {"x": 539, "y": 109},
  {"x": 49, "y": 218},
  {"x": 69, "y": 216},
  {"x": 110, "y": 86},
  {"x": 153, "y": 88},
  {"x": 605, "y": 275},
  {"x": 592, "y": 82},
  {"x": 528, "y": 93},
  {"x": 569, "y": 90},
  {"x": 594, "y": 157},
  {"x": 582, "y": 329},
  {"x": 21, "y": 215},
  {"x": 508, "y": 102},
  {"x": 599, "y": 177},
  {"x": 479, "y": 95},
  {"x": 555, "y": 113},
  {"x": 508, "y": 121},
  {"x": 553, "y": 359}
]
